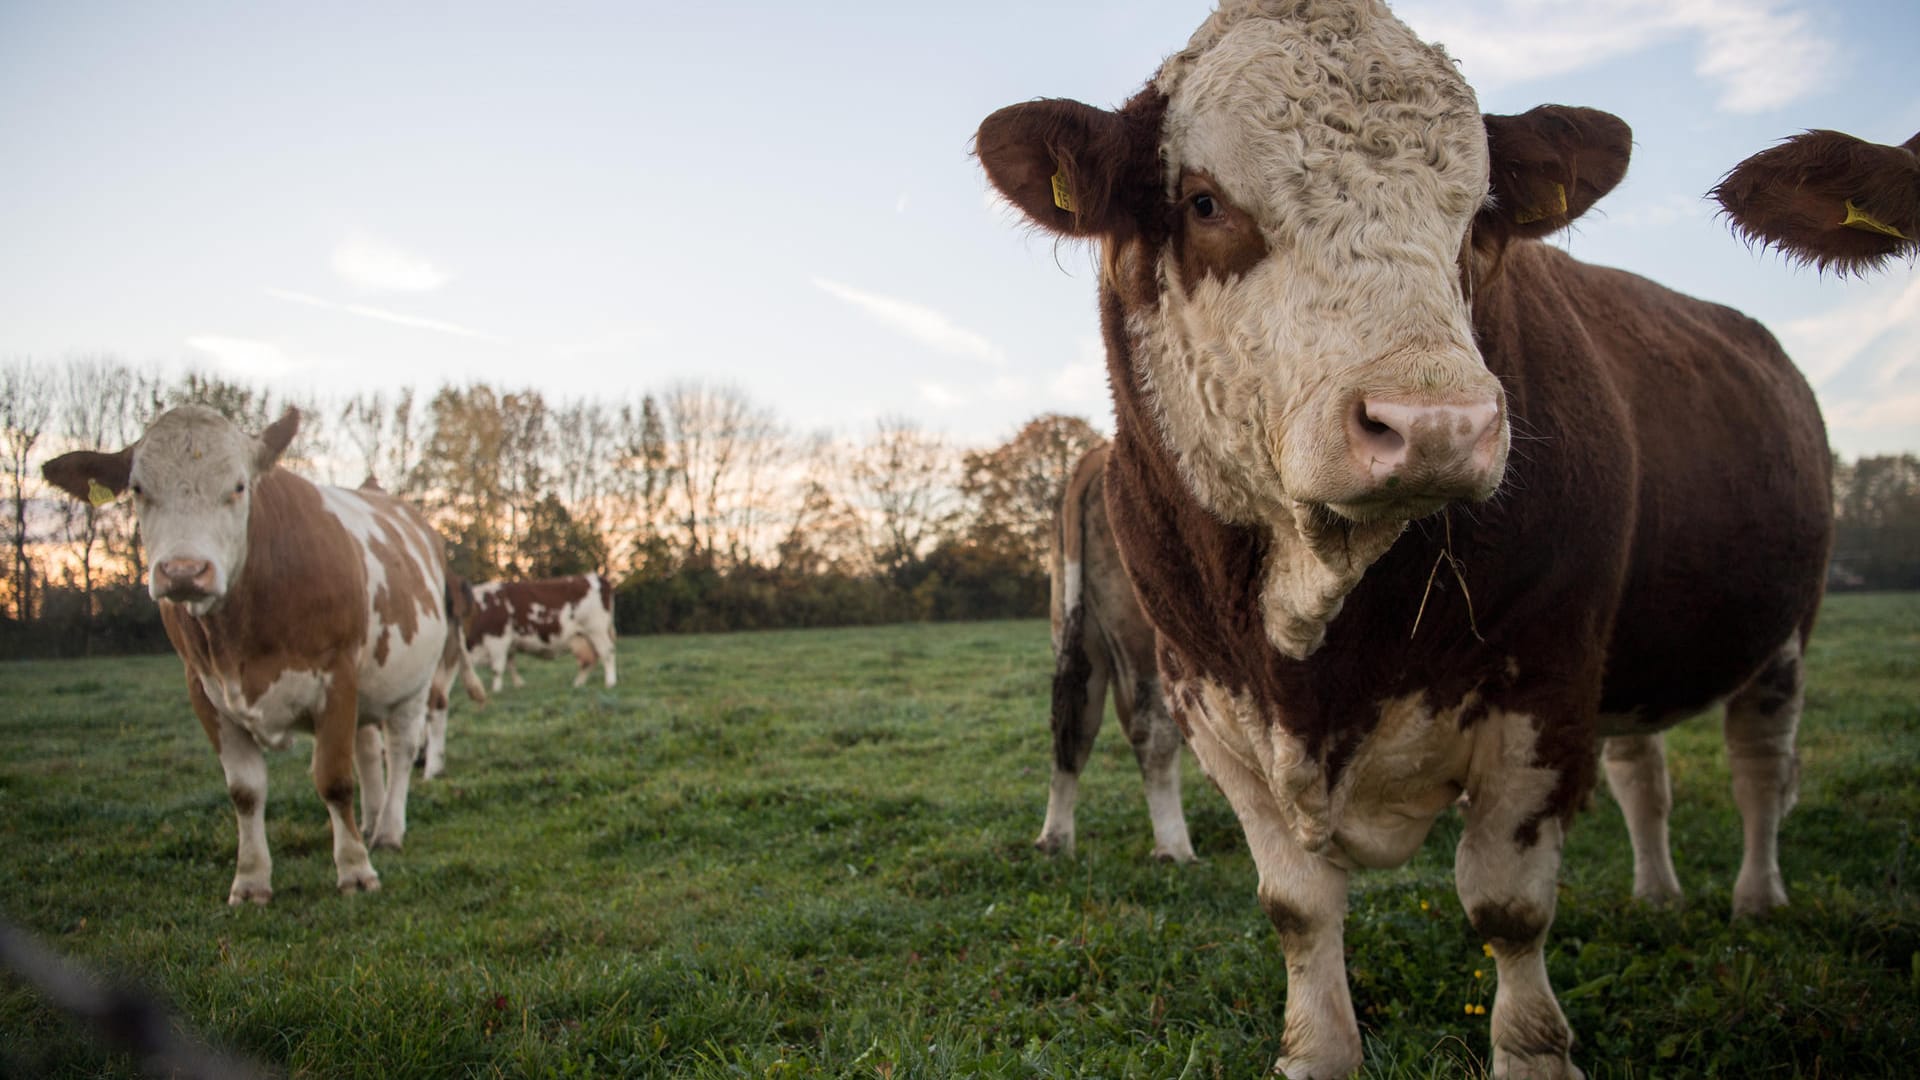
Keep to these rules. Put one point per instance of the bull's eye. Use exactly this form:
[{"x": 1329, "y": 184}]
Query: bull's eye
[
  {"x": 240, "y": 488},
  {"x": 1204, "y": 206},
  {"x": 139, "y": 492}
]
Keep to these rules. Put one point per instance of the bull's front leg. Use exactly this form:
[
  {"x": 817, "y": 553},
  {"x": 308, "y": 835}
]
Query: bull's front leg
[
  {"x": 246, "y": 770},
  {"x": 334, "y": 742},
  {"x": 1507, "y": 868},
  {"x": 1305, "y": 896}
]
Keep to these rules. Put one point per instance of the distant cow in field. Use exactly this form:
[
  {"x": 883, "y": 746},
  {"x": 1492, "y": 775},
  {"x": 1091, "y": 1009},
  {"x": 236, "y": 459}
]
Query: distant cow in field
[
  {"x": 295, "y": 608},
  {"x": 1102, "y": 641},
  {"x": 543, "y": 618},
  {"x": 1829, "y": 199},
  {"x": 1329, "y": 327}
]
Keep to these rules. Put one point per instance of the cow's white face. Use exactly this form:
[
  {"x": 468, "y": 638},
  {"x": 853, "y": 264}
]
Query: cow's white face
[
  {"x": 191, "y": 475},
  {"x": 1311, "y": 342},
  {"x": 1292, "y": 214}
]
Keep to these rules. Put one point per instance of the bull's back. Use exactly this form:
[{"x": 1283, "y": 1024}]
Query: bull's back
[
  {"x": 1728, "y": 486},
  {"x": 405, "y": 570}
]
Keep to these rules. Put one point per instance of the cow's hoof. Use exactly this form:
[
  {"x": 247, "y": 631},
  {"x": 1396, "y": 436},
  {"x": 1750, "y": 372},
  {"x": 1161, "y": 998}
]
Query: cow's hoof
[
  {"x": 359, "y": 883},
  {"x": 1166, "y": 855},
  {"x": 1510, "y": 1066},
  {"x": 386, "y": 842},
  {"x": 1054, "y": 845},
  {"x": 245, "y": 892}
]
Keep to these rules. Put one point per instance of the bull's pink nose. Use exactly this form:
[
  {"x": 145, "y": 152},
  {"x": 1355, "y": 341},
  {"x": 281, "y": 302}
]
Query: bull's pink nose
[
  {"x": 185, "y": 577},
  {"x": 1391, "y": 436}
]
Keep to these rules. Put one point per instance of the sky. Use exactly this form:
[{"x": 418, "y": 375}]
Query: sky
[{"x": 605, "y": 199}]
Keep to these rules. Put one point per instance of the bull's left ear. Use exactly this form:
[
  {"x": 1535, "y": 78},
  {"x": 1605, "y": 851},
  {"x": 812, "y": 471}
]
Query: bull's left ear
[
  {"x": 1548, "y": 166},
  {"x": 274, "y": 441},
  {"x": 96, "y": 477}
]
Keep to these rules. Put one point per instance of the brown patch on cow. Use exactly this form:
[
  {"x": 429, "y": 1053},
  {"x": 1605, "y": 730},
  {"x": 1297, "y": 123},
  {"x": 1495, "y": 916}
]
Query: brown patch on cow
[
  {"x": 436, "y": 699},
  {"x": 1290, "y": 922},
  {"x": 1796, "y": 196},
  {"x": 406, "y": 595},
  {"x": 1508, "y": 924},
  {"x": 1214, "y": 238},
  {"x": 245, "y": 799},
  {"x": 1071, "y": 671},
  {"x": 1774, "y": 688},
  {"x": 511, "y": 604},
  {"x": 298, "y": 602},
  {"x": 339, "y": 791}
]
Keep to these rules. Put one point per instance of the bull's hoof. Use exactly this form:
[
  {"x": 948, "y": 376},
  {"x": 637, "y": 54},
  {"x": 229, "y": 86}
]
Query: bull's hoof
[
  {"x": 247, "y": 892},
  {"x": 1049, "y": 844},
  {"x": 1511, "y": 1066},
  {"x": 386, "y": 842},
  {"x": 1172, "y": 856},
  {"x": 364, "y": 882}
]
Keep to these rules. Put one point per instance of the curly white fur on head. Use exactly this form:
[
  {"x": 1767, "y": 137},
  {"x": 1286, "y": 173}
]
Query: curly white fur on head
[{"x": 1359, "y": 154}]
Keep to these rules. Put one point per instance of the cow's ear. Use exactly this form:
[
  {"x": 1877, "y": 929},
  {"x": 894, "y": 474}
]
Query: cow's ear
[
  {"x": 274, "y": 441},
  {"x": 1071, "y": 168},
  {"x": 92, "y": 475},
  {"x": 1828, "y": 199},
  {"x": 1548, "y": 166}
]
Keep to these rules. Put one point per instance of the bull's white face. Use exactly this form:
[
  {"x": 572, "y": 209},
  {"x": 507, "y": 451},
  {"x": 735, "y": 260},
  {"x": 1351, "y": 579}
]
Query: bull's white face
[
  {"x": 192, "y": 476},
  {"x": 1311, "y": 347}
]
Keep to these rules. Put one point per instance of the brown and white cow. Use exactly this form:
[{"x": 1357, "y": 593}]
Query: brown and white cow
[
  {"x": 1102, "y": 641},
  {"x": 454, "y": 660},
  {"x": 1419, "y": 506},
  {"x": 543, "y": 618},
  {"x": 295, "y": 608},
  {"x": 1829, "y": 199}
]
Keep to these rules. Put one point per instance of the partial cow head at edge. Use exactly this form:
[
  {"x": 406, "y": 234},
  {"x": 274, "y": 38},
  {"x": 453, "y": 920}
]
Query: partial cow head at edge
[
  {"x": 1294, "y": 254},
  {"x": 191, "y": 474},
  {"x": 1829, "y": 200}
]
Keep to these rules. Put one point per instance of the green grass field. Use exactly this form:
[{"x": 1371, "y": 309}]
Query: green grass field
[{"x": 807, "y": 854}]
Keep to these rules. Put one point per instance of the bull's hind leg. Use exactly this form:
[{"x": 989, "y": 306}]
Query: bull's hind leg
[
  {"x": 1079, "y": 704},
  {"x": 404, "y": 728},
  {"x": 1156, "y": 745},
  {"x": 1637, "y": 774},
  {"x": 585, "y": 656},
  {"x": 1762, "y": 720},
  {"x": 1506, "y": 870}
]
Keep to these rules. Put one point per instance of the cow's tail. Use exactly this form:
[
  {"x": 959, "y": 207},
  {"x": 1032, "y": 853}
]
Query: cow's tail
[
  {"x": 459, "y": 609},
  {"x": 1072, "y": 667}
]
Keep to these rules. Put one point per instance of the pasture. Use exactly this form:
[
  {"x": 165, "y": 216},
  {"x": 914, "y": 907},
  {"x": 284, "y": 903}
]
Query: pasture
[{"x": 807, "y": 853}]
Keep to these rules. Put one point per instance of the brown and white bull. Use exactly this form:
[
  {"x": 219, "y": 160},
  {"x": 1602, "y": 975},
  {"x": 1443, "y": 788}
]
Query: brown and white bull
[
  {"x": 295, "y": 608},
  {"x": 1102, "y": 641},
  {"x": 1419, "y": 506},
  {"x": 1829, "y": 199},
  {"x": 543, "y": 618}
]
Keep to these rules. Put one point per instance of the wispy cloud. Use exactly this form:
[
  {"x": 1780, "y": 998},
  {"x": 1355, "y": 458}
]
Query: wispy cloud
[
  {"x": 917, "y": 321},
  {"x": 1761, "y": 53},
  {"x": 366, "y": 261},
  {"x": 382, "y": 315},
  {"x": 938, "y": 396},
  {"x": 245, "y": 356},
  {"x": 1826, "y": 344}
]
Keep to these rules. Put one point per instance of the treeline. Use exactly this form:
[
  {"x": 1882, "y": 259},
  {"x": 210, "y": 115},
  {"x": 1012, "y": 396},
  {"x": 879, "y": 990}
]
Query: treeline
[{"x": 700, "y": 503}]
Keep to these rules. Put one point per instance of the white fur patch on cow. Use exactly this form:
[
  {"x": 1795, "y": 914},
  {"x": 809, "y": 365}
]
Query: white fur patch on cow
[{"x": 288, "y": 705}]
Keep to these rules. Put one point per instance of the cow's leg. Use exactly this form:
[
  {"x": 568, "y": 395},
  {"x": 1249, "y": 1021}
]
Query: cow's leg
[
  {"x": 603, "y": 644},
  {"x": 436, "y": 734},
  {"x": 498, "y": 652},
  {"x": 246, "y": 770},
  {"x": 1156, "y": 746},
  {"x": 584, "y": 657},
  {"x": 370, "y": 762},
  {"x": 1637, "y": 774},
  {"x": 405, "y": 727},
  {"x": 1305, "y": 896},
  {"x": 1506, "y": 869},
  {"x": 513, "y": 670},
  {"x": 336, "y": 746},
  {"x": 1079, "y": 704},
  {"x": 1762, "y": 720}
]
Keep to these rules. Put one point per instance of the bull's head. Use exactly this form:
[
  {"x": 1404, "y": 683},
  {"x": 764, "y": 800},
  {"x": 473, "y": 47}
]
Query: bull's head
[
  {"x": 192, "y": 475},
  {"x": 1292, "y": 215}
]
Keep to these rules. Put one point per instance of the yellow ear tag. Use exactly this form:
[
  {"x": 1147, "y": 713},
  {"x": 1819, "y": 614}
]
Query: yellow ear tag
[
  {"x": 1531, "y": 215},
  {"x": 1062, "y": 196},
  {"x": 98, "y": 493},
  {"x": 1865, "y": 222}
]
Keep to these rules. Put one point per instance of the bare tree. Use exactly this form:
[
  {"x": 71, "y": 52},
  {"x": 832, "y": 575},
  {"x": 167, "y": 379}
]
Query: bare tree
[
  {"x": 721, "y": 450},
  {"x": 26, "y": 403},
  {"x": 98, "y": 401},
  {"x": 904, "y": 480},
  {"x": 363, "y": 420}
]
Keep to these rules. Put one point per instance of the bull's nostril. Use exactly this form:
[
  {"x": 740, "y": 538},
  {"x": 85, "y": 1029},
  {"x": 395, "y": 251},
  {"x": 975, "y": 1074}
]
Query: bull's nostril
[{"x": 1376, "y": 433}]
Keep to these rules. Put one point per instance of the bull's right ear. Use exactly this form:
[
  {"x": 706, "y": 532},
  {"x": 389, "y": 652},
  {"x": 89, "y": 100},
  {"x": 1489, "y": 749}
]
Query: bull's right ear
[
  {"x": 1071, "y": 168},
  {"x": 92, "y": 475},
  {"x": 1828, "y": 199}
]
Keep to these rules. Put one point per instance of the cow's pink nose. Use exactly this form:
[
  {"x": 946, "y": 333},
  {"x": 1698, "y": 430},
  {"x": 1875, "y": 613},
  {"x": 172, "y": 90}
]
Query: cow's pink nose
[
  {"x": 1392, "y": 436},
  {"x": 186, "y": 578}
]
